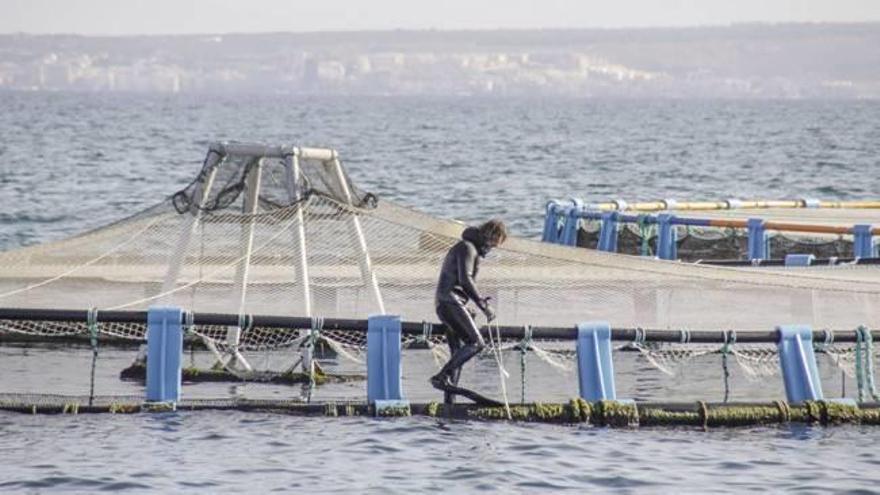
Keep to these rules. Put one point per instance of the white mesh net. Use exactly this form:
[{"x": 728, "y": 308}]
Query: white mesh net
[{"x": 280, "y": 231}]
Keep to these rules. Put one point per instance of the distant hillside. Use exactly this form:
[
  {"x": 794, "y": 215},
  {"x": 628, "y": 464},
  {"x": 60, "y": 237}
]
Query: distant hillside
[{"x": 751, "y": 60}]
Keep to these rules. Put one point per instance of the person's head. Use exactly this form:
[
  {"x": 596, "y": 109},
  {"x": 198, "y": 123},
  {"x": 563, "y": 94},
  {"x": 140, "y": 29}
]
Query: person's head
[{"x": 494, "y": 233}]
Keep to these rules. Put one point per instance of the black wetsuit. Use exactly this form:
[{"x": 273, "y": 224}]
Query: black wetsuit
[{"x": 455, "y": 289}]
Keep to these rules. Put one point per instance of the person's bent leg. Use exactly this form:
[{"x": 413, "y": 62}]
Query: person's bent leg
[{"x": 462, "y": 324}]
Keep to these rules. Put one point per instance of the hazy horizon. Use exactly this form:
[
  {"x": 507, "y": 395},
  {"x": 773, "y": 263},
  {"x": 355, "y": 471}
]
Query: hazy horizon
[{"x": 193, "y": 17}]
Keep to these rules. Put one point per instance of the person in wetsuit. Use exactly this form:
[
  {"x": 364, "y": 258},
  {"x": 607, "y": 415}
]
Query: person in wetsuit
[{"x": 455, "y": 289}]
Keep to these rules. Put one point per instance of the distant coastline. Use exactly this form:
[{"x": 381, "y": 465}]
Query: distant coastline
[{"x": 797, "y": 61}]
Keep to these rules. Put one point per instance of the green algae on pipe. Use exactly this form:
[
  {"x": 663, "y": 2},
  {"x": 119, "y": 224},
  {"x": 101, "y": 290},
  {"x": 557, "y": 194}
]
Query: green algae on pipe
[{"x": 576, "y": 411}]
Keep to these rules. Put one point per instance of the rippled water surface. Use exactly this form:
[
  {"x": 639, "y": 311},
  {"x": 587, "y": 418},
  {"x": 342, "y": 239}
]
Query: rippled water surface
[{"x": 73, "y": 162}]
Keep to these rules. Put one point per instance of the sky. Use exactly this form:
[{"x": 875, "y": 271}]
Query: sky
[{"x": 129, "y": 17}]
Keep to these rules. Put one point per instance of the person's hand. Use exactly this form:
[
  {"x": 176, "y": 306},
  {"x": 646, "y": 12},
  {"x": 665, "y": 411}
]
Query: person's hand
[{"x": 488, "y": 310}]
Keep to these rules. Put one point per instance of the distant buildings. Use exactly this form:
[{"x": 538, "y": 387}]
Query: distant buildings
[{"x": 754, "y": 61}]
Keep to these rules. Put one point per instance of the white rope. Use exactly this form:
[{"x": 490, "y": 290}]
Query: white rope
[{"x": 503, "y": 375}]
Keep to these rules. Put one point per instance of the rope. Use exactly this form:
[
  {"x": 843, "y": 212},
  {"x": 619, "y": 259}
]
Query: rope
[
  {"x": 729, "y": 340},
  {"x": 865, "y": 364},
  {"x": 860, "y": 378},
  {"x": 869, "y": 362},
  {"x": 645, "y": 234},
  {"x": 311, "y": 342},
  {"x": 502, "y": 373},
  {"x": 524, "y": 345},
  {"x": 92, "y": 322},
  {"x": 188, "y": 325}
]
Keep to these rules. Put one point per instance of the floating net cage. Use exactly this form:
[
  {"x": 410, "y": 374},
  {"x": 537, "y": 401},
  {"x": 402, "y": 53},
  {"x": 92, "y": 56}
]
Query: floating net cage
[
  {"x": 282, "y": 232},
  {"x": 710, "y": 243}
]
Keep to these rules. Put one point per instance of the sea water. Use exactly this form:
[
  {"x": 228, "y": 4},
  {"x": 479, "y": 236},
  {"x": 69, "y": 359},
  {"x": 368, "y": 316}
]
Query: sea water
[{"x": 71, "y": 162}]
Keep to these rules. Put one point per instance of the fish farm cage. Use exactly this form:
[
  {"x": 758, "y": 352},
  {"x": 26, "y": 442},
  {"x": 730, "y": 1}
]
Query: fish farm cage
[
  {"x": 804, "y": 231},
  {"x": 272, "y": 282}
]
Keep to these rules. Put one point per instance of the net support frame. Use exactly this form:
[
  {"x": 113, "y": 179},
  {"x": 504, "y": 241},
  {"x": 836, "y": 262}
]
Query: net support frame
[
  {"x": 164, "y": 354},
  {"x": 366, "y": 264},
  {"x": 189, "y": 227},
  {"x": 595, "y": 365},
  {"x": 800, "y": 373},
  {"x": 384, "y": 370},
  {"x": 251, "y": 204},
  {"x": 292, "y": 169},
  {"x": 608, "y": 233},
  {"x": 667, "y": 249},
  {"x": 863, "y": 241},
  {"x": 759, "y": 241}
]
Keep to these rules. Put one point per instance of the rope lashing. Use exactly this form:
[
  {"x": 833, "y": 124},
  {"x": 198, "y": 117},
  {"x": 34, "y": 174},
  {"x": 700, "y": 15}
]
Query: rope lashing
[
  {"x": 188, "y": 325},
  {"x": 685, "y": 336},
  {"x": 639, "y": 339},
  {"x": 645, "y": 234},
  {"x": 869, "y": 361},
  {"x": 860, "y": 378},
  {"x": 524, "y": 346},
  {"x": 92, "y": 322},
  {"x": 729, "y": 340},
  {"x": 865, "y": 364},
  {"x": 427, "y": 331},
  {"x": 311, "y": 343}
]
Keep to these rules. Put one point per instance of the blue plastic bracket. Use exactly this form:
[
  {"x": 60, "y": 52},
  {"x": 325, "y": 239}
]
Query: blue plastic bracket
[
  {"x": 798, "y": 362},
  {"x": 572, "y": 223},
  {"x": 608, "y": 233},
  {"x": 384, "y": 370},
  {"x": 667, "y": 248},
  {"x": 799, "y": 259},
  {"x": 595, "y": 367},
  {"x": 863, "y": 242},
  {"x": 759, "y": 242},
  {"x": 164, "y": 354},
  {"x": 551, "y": 222}
]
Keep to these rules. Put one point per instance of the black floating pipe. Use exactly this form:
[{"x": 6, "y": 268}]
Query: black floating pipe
[
  {"x": 781, "y": 262},
  {"x": 417, "y": 328}
]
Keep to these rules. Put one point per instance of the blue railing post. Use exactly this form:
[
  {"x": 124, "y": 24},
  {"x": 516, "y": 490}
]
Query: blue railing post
[
  {"x": 164, "y": 354},
  {"x": 608, "y": 233},
  {"x": 572, "y": 223},
  {"x": 667, "y": 248},
  {"x": 595, "y": 367},
  {"x": 798, "y": 362},
  {"x": 863, "y": 242},
  {"x": 551, "y": 222},
  {"x": 759, "y": 242},
  {"x": 384, "y": 371}
]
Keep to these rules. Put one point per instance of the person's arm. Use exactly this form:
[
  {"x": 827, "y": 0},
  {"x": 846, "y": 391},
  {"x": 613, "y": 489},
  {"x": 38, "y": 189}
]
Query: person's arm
[{"x": 465, "y": 279}]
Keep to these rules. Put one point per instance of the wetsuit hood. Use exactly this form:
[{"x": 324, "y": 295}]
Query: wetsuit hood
[{"x": 473, "y": 235}]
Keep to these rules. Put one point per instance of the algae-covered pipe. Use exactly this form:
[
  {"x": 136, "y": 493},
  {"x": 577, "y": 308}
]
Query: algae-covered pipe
[{"x": 417, "y": 328}]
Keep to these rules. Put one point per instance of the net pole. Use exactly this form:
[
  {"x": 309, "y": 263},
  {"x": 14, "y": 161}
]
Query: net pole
[
  {"x": 175, "y": 264},
  {"x": 292, "y": 169},
  {"x": 366, "y": 264},
  {"x": 251, "y": 203}
]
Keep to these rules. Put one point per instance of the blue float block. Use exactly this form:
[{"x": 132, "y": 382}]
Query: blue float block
[
  {"x": 798, "y": 363},
  {"x": 759, "y": 242},
  {"x": 608, "y": 233},
  {"x": 595, "y": 367},
  {"x": 384, "y": 371},
  {"x": 799, "y": 259},
  {"x": 863, "y": 242},
  {"x": 667, "y": 248},
  {"x": 164, "y": 352},
  {"x": 571, "y": 223},
  {"x": 551, "y": 222}
]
